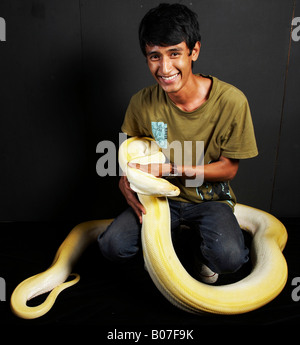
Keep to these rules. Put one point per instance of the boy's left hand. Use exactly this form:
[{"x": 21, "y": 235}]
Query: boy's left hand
[{"x": 156, "y": 169}]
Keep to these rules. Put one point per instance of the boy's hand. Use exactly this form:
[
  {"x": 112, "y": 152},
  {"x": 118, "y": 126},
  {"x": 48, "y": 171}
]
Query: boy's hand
[
  {"x": 156, "y": 169},
  {"x": 131, "y": 198}
]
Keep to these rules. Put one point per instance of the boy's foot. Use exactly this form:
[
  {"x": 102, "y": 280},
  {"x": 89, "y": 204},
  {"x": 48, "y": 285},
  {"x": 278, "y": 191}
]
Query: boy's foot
[{"x": 205, "y": 274}]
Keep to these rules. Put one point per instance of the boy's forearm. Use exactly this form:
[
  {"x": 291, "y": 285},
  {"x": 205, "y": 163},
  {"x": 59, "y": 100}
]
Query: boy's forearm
[{"x": 223, "y": 170}]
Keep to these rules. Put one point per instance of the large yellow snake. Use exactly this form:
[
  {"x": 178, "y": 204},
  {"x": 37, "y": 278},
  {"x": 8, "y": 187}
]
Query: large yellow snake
[{"x": 265, "y": 282}]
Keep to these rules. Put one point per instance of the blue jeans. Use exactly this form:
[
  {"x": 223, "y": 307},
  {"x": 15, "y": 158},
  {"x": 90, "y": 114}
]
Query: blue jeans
[{"x": 215, "y": 235}]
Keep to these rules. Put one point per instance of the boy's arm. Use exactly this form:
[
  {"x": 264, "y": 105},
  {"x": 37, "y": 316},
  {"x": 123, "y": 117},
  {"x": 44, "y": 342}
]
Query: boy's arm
[
  {"x": 131, "y": 198},
  {"x": 224, "y": 169}
]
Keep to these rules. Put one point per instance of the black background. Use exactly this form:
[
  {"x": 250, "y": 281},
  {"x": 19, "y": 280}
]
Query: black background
[{"x": 68, "y": 70}]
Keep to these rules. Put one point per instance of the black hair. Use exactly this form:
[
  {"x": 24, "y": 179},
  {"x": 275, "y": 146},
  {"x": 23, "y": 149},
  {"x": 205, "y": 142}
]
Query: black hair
[{"x": 169, "y": 24}]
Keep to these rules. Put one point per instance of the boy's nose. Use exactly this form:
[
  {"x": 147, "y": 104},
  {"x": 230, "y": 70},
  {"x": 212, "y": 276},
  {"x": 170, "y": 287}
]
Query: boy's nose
[{"x": 165, "y": 66}]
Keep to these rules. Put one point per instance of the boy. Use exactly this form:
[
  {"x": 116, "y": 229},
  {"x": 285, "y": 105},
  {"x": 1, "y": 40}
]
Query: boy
[{"x": 183, "y": 106}]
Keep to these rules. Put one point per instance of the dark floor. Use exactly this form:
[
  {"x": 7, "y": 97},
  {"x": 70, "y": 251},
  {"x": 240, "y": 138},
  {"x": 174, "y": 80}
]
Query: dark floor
[{"x": 113, "y": 295}]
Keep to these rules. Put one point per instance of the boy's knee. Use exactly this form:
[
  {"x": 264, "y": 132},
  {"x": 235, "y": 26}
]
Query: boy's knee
[
  {"x": 233, "y": 259},
  {"x": 115, "y": 250},
  {"x": 228, "y": 258},
  {"x": 121, "y": 240}
]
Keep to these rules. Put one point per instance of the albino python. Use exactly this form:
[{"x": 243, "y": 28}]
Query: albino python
[{"x": 264, "y": 283}]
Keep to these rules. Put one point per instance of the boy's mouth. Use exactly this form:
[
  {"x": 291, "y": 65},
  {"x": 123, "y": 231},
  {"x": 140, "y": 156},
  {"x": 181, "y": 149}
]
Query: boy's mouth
[{"x": 169, "y": 79}]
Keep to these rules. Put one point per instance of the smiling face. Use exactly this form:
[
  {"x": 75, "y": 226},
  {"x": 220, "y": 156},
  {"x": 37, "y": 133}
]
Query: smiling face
[{"x": 171, "y": 66}]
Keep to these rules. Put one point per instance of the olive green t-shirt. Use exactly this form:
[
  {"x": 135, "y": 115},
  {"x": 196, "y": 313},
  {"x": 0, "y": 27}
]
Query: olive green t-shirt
[{"x": 223, "y": 123}]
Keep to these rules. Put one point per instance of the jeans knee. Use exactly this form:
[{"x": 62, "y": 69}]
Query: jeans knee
[
  {"x": 121, "y": 240},
  {"x": 227, "y": 259},
  {"x": 115, "y": 250},
  {"x": 233, "y": 260}
]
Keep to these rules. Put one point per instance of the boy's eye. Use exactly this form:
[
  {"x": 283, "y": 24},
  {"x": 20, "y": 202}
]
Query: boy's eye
[
  {"x": 175, "y": 54},
  {"x": 154, "y": 57}
]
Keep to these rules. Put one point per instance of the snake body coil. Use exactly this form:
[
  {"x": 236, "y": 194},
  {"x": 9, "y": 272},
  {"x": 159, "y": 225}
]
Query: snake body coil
[{"x": 264, "y": 283}]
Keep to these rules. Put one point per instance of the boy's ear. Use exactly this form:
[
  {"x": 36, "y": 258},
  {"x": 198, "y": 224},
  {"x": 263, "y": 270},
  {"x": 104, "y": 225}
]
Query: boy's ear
[{"x": 196, "y": 51}]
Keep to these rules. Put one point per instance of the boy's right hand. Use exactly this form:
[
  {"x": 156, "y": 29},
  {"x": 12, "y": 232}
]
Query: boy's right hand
[{"x": 131, "y": 197}]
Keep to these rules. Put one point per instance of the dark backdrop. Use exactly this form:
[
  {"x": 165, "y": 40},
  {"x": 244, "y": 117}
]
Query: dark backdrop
[{"x": 69, "y": 67}]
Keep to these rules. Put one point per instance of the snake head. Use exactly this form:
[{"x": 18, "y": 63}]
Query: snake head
[
  {"x": 144, "y": 151},
  {"x": 147, "y": 184}
]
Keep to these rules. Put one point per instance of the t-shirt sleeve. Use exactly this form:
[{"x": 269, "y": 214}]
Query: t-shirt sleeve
[
  {"x": 239, "y": 141},
  {"x": 134, "y": 122}
]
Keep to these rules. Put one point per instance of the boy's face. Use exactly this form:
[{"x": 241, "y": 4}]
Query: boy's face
[{"x": 171, "y": 66}]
